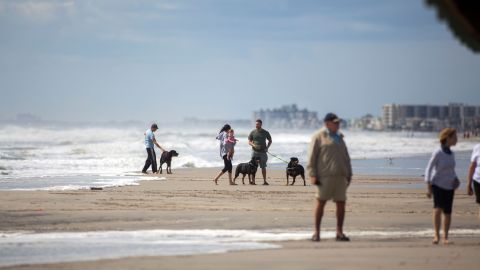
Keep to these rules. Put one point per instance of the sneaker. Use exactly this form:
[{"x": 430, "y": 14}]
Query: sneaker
[{"x": 342, "y": 238}]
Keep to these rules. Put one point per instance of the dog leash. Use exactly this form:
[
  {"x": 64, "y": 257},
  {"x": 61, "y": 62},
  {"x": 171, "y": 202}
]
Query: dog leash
[{"x": 277, "y": 157}]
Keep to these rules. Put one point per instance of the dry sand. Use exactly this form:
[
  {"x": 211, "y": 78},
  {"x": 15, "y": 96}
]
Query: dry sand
[{"x": 189, "y": 199}]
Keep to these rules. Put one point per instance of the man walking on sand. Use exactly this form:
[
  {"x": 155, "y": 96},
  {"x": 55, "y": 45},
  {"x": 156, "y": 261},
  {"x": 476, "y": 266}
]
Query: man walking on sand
[
  {"x": 149, "y": 145},
  {"x": 257, "y": 140},
  {"x": 330, "y": 170},
  {"x": 473, "y": 177}
]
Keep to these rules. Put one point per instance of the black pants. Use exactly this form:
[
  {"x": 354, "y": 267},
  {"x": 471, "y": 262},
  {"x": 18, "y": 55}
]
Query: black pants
[
  {"x": 443, "y": 199},
  {"x": 228, "y": 164},
  {"x": 476, "y": 188},
  {"x": 151, "y": 160}
]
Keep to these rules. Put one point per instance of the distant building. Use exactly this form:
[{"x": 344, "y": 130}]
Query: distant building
[
  {"x": 367, "y": 122},
  {"x": 27, "y": 118},
  {"x": 288, "y": 116},
  {"x": 431, "y": 117}
]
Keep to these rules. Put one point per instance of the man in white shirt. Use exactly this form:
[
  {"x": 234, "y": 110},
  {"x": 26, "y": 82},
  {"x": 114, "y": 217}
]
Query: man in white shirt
[{"x": 473, "y": 185}]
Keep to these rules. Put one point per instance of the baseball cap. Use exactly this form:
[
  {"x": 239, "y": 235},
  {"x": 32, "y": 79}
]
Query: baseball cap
[{"x": 331, "y": 117}]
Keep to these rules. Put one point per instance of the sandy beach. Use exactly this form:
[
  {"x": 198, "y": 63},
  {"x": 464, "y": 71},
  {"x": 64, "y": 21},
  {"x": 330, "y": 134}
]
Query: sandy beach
[{"x": 189, "y": 199}]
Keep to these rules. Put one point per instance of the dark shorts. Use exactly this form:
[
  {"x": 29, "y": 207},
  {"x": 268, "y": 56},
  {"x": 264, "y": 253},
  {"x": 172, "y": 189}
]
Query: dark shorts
[
  {"x": 263, "y": 158},
  {"x": 476, "y": 189},
  {"x": 443, "y": 199}
]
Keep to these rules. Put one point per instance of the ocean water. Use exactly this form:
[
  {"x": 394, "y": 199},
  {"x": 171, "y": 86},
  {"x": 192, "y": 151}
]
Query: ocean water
[
  {"x": 74, "y": 158},
  {"x": 31, "y": 248},
  {"x": 60, "y": 158}
]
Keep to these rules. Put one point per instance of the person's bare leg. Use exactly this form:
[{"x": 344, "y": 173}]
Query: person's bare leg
[
  {"x": 447, "y": 220},
  {"x": 218, "y": 176},
  {"x": 230, "y": 178},
  {"x": 264, "y": 174},
  {"x": 318, "y": 213},
  {"x": 437, "y": 220},
  {"x": 340, "y": 217}
]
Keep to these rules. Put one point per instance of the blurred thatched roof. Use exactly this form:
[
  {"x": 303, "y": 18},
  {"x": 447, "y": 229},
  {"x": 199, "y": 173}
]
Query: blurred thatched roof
[{"x": 463, "y": 18}]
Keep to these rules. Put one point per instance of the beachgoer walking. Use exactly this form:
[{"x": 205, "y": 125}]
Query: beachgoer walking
[
  {"x": 226, "y": 152},
  {"x": 257, "y": 140},
  {"x": 149, "y": 145},
  {"x": 473, "y": 177},
  {"x": 330, "y": 170},
  {"x": 441, "y": 182}
]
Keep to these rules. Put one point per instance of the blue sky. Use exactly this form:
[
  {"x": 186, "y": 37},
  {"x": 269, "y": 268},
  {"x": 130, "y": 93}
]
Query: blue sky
[{"x": 154, "y": 60}]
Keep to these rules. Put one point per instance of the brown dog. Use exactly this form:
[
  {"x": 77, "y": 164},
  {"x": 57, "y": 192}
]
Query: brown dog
[{"x": 167, "y": 158}]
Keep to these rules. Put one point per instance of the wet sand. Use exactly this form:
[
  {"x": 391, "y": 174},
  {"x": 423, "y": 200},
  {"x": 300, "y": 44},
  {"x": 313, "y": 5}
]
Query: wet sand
[{"x": 189, "y": 199}]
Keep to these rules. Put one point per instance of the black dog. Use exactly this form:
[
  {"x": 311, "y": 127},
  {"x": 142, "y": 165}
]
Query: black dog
[
  {"x": 249, "y": 169},
  {"x": 167, "y": 158},
  {"x": 294, "y": 169}
]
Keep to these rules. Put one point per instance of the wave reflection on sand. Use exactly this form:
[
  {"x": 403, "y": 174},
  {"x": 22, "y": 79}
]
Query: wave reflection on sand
[{"x": 32, "y": 248}]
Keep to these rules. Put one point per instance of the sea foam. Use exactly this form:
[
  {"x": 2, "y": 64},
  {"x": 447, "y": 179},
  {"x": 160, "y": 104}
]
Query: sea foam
[
  {"x": 34, "y": 152},
  {"x": 32, "y": 248}
]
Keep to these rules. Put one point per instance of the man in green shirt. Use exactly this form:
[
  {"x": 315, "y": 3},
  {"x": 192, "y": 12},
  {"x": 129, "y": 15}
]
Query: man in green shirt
[{"x": 257, "y": 140}]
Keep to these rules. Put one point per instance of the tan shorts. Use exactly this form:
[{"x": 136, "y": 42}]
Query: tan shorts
[{"x": 332, "y": 188}]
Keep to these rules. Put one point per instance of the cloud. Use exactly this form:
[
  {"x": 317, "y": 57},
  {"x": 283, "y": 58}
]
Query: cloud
[
  {"x": 40, "y": 11},
  {"x": 366, "y": 27},
  {"x": 130, "y": 36},
  {"x": 167, "y": 6}
]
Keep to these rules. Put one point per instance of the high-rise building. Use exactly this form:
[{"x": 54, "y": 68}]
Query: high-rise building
[{"x": 431, "y": 117}]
